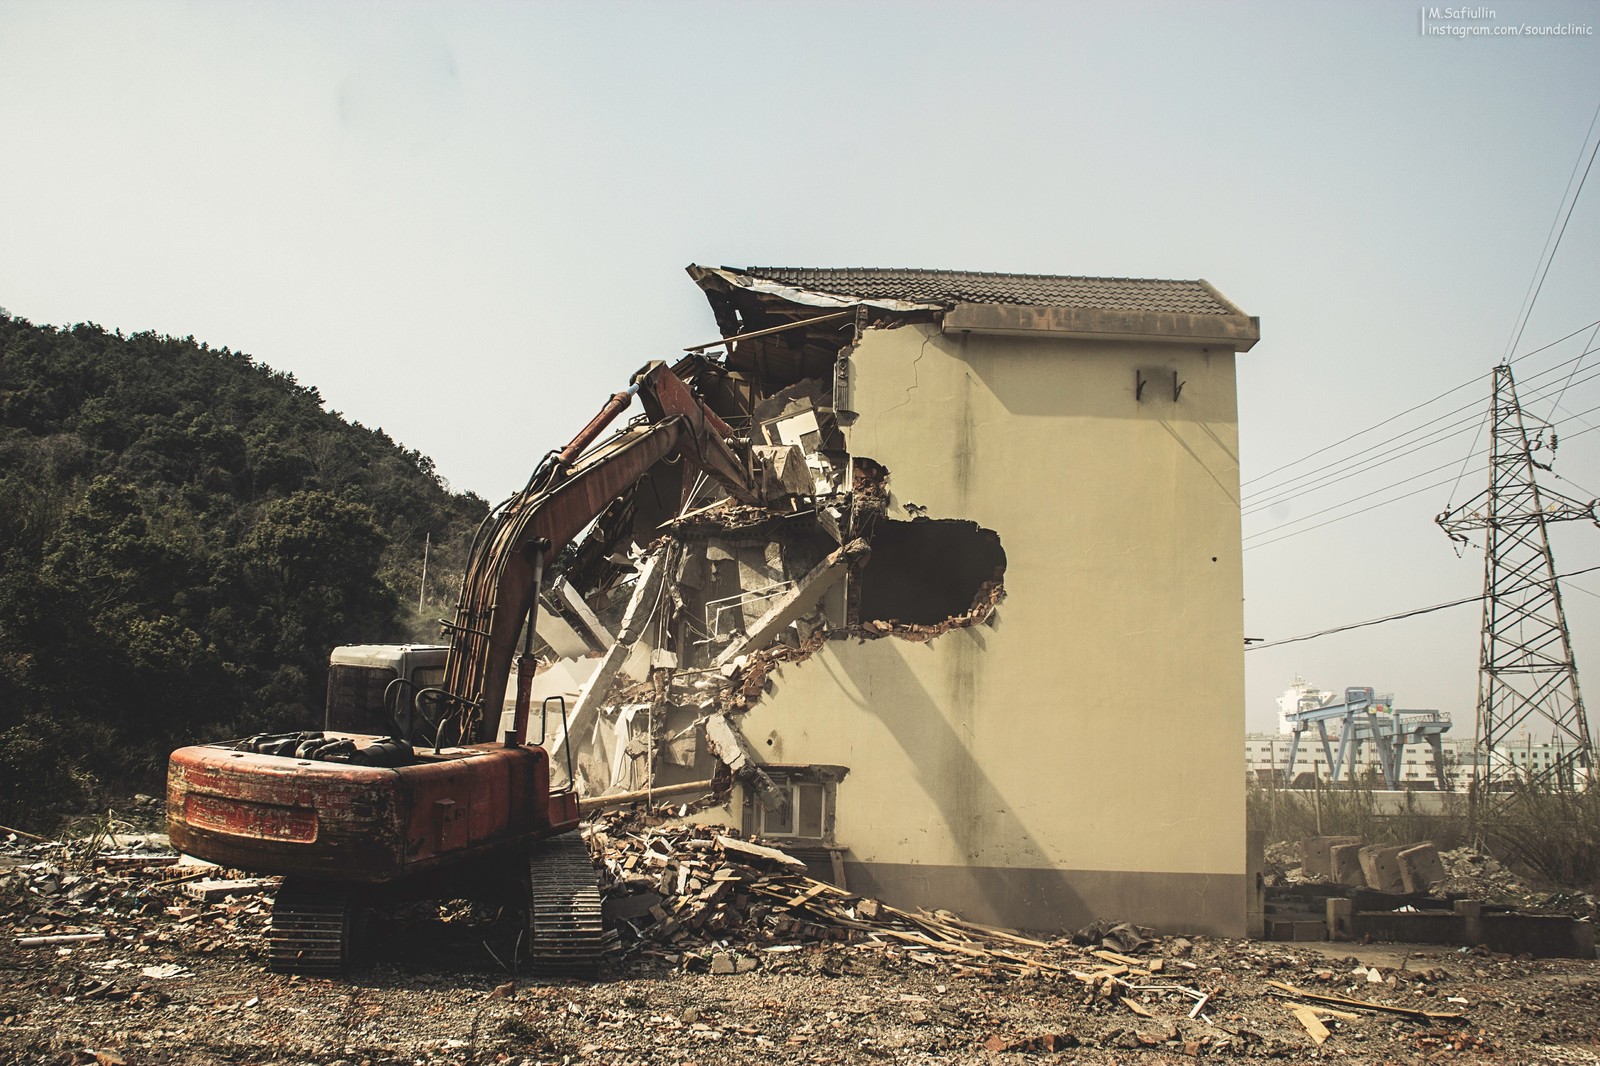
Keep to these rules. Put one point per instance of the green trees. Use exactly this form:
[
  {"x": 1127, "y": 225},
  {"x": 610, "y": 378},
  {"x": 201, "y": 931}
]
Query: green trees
[
  {"x": 309, "y": 568},
  {"x": 184, "y": 534}
]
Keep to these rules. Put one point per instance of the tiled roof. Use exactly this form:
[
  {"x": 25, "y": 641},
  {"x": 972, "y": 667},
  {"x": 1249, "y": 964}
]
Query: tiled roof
[{"x": 1042, "y": 290}]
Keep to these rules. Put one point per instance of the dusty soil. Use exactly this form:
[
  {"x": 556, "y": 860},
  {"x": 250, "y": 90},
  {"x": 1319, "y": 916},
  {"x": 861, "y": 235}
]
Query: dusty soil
[{"x": 181, "y": 981}]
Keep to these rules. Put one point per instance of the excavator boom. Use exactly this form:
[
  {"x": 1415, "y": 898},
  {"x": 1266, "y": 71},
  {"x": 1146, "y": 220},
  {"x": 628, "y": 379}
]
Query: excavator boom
[
  {"x": 501, "y": 585},
  {"x": 354, "y": 834}
]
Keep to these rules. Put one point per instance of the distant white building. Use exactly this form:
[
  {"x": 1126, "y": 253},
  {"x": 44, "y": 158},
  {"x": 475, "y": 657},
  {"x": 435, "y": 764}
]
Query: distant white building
[
  {"x": 1301, "y": 696},
  {"x": 1266, "y": 757}
]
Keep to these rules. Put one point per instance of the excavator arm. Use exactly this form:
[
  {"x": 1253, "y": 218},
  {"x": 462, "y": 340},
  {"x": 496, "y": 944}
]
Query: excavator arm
[{"x": 499, "y": 591}]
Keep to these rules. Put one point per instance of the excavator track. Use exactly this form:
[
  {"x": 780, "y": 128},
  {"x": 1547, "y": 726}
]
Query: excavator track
[
  {"x": 566, "y": 933},
  {"x": 311, "y": 928}
]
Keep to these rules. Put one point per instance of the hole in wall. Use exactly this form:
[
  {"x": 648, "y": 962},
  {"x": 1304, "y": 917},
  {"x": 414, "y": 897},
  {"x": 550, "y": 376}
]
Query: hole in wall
[{"x": 926, "y": 571}]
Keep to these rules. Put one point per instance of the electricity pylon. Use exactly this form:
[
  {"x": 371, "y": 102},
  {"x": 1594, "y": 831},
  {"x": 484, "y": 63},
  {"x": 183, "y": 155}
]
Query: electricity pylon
[{"x": 1527, "y": 678}]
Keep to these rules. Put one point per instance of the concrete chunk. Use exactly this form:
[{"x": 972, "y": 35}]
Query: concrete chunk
[
  {"x": 1345, "y": 861},
  {"x": 1316, "y": 854},
  {"x": 1420, "y": 866},
  {"x": 798, "y": 600},
  {"x": 1381, "y": 865}
]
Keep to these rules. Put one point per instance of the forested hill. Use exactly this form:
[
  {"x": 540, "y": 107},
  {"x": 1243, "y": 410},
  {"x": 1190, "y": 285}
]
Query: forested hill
[{"x": 184, "y": 534}]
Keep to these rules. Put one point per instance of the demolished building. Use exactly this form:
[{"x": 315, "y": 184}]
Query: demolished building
[{"x": 998, "y": 536}]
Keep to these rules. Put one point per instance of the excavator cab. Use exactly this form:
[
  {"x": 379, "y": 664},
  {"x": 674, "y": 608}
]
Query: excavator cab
[{"x": 372, "y": 689}]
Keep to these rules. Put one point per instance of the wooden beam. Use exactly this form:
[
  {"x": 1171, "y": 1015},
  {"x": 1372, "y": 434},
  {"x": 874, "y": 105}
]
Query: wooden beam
[{"x": 770, "y": 330}]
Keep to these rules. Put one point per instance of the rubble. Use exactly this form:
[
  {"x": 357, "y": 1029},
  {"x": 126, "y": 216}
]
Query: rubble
[
  {"x": 682, "y": 892},
  {"x": 734, "y": 945},
  {"x": 1403, "y": 893}
]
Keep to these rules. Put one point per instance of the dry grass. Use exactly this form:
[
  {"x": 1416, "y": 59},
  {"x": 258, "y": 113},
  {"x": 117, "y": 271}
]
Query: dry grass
[
  {"x": 1555, "y": 833},
  {"x": 1293, "y": 814}
]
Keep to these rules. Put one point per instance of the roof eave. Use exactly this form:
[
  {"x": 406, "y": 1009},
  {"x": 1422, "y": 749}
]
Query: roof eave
[
  {"x": 1238, "y": 331},
  {"x": 713, "y": 279}
]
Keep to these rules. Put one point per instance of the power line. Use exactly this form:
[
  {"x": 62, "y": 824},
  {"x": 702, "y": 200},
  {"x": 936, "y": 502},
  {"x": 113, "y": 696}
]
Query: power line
[
  {"x": 1587, "y": 349},
  {"x": 1472, "y": 450},
  {"x": 1333, "y": 477},
  {"x": 1399, "y": 451},
  {"x": 1415, "y": 407},
  {"x": 1394, "y": 617},
  {"x": 1340, "y": 518},
  {"x": 1384, "y": 488},
  {"x": 1526, "y": 311},
  {"x": 1397, "y": 438}
]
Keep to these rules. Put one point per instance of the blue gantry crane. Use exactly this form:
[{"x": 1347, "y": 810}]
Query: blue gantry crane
[{"x": 1364, "y": 717}]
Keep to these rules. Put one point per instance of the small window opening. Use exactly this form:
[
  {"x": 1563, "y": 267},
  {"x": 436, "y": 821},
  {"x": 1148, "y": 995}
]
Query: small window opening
[{"x": 809, "y": 794}]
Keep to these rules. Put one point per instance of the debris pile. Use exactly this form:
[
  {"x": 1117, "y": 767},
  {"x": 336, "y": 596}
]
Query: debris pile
[
  {"x": 767, "y": 960},
  {"x": 1471, "y": 872},
  {"x": 126, "y": 892},
  {"x": 685, "y": 892},
  {"x": 701, "y": 898}
]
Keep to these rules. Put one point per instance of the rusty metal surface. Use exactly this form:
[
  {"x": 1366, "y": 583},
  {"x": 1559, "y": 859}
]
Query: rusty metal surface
[{"x": 355, "y": 823}]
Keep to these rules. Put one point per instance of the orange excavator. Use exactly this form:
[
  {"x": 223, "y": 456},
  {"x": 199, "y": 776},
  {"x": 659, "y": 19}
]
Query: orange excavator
[{"x": 437, "y": 806}]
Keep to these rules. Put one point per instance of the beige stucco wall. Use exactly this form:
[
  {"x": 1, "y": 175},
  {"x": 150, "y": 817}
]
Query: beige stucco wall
[{"x": 1077, "y": 757}]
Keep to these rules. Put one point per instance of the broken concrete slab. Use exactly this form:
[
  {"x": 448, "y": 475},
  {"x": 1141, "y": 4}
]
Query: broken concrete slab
[
  {"x": 727, "y": 743},
  {"x": 212, "y": 889},
  {"x": 1381, "y": 867},
  {"x": 758, "y": 851},
  {"x": 564, "y": 640},
  {"x": 1420, "y": 867},
  {"x": 1316, "y": 854},
  {"x": 574, "y": 602},
  {"x": 783, "y": 471},
  {"x": 1344, "y": 862},
  {"x": 646, "y": 591},
  {"x": 805, "y": 594}
]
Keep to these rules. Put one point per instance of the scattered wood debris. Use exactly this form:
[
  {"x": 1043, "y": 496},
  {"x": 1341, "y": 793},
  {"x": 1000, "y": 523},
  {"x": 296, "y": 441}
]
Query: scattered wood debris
[
  {"x": 741, "y": 943},
  {"x": 681, "y": 889}
]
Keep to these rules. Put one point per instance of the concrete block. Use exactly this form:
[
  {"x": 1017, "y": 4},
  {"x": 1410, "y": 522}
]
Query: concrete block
[
  {"x": 1316, "y": 854},
  {"x": 1346, "y": 865},
  {"x": 1255, "y": 899},
  {"x": 1381, "y": 865},
  {"x": 1340, "y": 911},
  {"x": 1420, "y": 866}
]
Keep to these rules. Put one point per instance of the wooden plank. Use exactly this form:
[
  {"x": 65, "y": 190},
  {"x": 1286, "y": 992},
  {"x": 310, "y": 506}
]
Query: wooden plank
[
  {"x": 1037, "y": 964},
  {"x": 58, "y": 938},
  {"x": 806, "y": 897},
  {"x": 1308, "y": 1018},
  {"x": 990, "y": 931},
  {"x": 1362, "y": 1004},
  {"x": 25, "y": 834},
  {"x": 1112, "y": 956},
  {"x": 744, "y": 847},
  {"x": 1138, "y": 1008}
]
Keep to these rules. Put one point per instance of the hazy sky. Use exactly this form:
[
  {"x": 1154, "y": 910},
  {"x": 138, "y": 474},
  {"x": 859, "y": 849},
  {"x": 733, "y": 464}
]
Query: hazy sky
[{"x": 467, "y": 223}]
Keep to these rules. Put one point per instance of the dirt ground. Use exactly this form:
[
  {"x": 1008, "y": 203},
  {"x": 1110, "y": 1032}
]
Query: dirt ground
[{"x": 178, "y": 980}]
